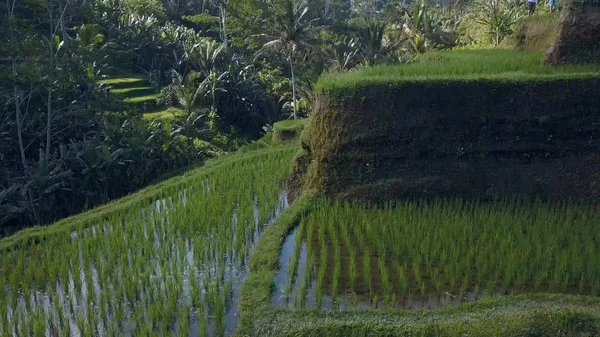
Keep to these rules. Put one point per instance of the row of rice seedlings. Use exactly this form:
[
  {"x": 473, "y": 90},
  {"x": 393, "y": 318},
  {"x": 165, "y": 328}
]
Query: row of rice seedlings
[
  {"x": 337, "y": 271},
  {"x": 308, "y": 232},
  {"x": 456, "y": 248},
  {"x": 296, "y": 255},
  {"x": 152, "y": 267},
  {"x": 323, "y": 267}
]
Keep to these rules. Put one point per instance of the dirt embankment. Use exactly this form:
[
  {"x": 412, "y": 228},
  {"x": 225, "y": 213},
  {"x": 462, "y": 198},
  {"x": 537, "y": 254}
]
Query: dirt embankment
[
  {"x": 536, "y": 33},
  {"x": 579, "y": 34},
  {"x": 473, "y": 139}
]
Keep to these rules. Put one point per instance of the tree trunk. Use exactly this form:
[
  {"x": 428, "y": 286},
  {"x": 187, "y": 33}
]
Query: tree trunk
[
  {"x": 17, "y": 95},
  {"x": 49, "y": 101},
  {"x": 293, "y": 83},
  {"x": 18, "y": 116},
  {"x": 16, "y": 91},
  {"x": 223, "y": 12}
]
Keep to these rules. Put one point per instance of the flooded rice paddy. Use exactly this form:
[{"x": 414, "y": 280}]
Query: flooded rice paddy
[
  {"x": 173, "y": 266},
  {"x": 426, "y": 255}
]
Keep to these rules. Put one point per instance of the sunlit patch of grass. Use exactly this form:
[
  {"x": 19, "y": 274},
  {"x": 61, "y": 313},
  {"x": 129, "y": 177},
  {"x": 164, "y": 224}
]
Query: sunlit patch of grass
[
  {"x": 494, "y": 64},
  {"x": 122, "y": 80},
  {"x": 132, "y": 91},
  {"x": 140, "y": 99},
  {"x": 166, "y": 115}
]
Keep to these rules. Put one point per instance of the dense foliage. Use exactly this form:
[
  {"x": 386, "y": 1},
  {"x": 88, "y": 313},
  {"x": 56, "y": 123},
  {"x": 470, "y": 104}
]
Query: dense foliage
[{"x": 71, "y": 140}]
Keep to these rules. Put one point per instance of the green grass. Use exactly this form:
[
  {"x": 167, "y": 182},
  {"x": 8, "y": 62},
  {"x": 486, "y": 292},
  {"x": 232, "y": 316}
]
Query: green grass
[
  {"x": 132, "y": 265},
  {"x": 140, "y": 99},
  {"x": 516, "y": 316},
  {"x": 291, "y": 124},
  {"x": 138, "y": 91},
  {"x": 288, "y": 131},
  {"x": 122, "y": 81},
  {"x": 135, "y": 91},
  {"x": 494, "y": 64},
  {"x": 166, "y": 115}
]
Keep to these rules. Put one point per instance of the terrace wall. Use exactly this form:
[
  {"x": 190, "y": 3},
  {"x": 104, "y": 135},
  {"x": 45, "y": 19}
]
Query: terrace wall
[
  {"x": 579, "y": 34},
  {"x": 468, "y": 138}
]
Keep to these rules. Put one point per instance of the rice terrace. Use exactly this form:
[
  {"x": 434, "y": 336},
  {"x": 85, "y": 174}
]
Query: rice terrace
[{"x": 300, "y": 168}]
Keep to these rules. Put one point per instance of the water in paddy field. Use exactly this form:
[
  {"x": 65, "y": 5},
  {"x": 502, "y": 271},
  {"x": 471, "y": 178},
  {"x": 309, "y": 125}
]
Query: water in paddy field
[
  {"x": 86, "y": 297},
  {"x": 288, "y": 290}
]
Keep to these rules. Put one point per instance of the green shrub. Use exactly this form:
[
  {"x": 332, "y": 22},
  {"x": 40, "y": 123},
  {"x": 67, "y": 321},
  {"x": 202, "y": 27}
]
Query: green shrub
[
  {"x": 203, "y": 21},
  {"x": 144, "y": 8}
]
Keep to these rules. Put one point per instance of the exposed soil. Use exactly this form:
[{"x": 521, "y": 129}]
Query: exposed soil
[
  {"x": 579, "y": 34},
  {"x": 536, "y": 139}
]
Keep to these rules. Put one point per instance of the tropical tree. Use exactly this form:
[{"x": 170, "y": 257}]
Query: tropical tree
[
  {"x": 290, "y": 28},
  {"x": 188, "y": 89},
  {"x": 205, "y": 55},
  {"x": 499, "y": 17},
  {"x": 370, "y": 34},
  {"x": 342, "y": 54}
]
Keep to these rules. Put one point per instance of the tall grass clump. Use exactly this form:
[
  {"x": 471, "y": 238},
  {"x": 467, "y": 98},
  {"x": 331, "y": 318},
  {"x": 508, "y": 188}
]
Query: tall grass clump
[{"x": 155, "y": 267}]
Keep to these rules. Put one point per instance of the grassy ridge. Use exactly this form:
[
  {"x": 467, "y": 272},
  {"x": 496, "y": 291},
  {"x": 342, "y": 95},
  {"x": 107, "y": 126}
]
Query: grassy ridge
[
  {"x": 135, "y": 91},
  {"x": 288, "y": 130},
  {"x": 497, "y": 64},
  {"x": 36, "y": 235}
]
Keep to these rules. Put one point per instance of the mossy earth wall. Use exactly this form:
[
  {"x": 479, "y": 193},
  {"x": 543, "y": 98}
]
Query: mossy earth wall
[
  {"x": 476, "y": 138},
  {"x": 579, "y": 34}
]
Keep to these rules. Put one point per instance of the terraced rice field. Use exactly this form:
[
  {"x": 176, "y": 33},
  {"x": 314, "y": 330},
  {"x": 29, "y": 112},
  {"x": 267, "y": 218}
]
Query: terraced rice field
[
  {"x": 135, "y": 91},
  {"x": 428, "y": 254},
  {"x": 171, "y": 264}
]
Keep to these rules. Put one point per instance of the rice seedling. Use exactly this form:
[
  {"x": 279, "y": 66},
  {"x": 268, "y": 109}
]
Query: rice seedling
[
  {"x": 310, "y": 265},
  {"x": 368, "y": 277},
  {"x": 337, "y": 271},
  {"x": 144, "y": 267},
  {"x": 323, "y": 266},
  {"x": 387, "y": 285},
  {"x": 456, "y": 248},
  {"x": 294, "y": 261}
]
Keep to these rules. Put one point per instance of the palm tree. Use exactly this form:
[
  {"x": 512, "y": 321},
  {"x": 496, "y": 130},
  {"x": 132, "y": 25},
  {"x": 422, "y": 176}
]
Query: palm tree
[
  {"x": 206, "y": 54},
  {"x": 290, "y": 28},
  {"x": 186, "y": 90},
  {"x": 343, "y": 54},
  {"x": 371, "y": 38}
]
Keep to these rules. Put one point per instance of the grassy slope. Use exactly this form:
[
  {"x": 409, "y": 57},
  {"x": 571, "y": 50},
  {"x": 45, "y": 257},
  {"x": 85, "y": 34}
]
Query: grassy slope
[
  {"x": 35, "y": 235},
  {"x": 133, "y": 89},
  {"x": 496, "y": 64},
  {"x": 136, "y": 92},
  {"x": 522, "y": 315},
  {"x": 166, "y": 115},
  {"x": 537, "y": 32}
]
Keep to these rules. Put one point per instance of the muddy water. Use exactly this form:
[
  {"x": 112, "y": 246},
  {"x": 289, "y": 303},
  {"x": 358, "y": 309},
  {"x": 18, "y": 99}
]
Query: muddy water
[{"x": 286, "y": 296}]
